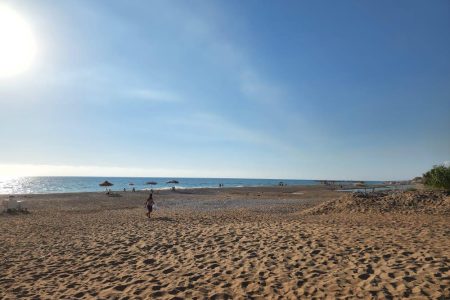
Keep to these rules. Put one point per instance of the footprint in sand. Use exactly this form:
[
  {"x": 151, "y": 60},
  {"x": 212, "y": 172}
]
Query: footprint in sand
[{"x": 168, "y": 270}]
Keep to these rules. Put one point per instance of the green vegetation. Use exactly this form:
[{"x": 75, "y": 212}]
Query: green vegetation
[{"x": 438, "y": 177}]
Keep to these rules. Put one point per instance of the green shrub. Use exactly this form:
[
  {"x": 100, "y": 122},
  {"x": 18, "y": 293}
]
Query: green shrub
[{"x": 438, "y": 177}]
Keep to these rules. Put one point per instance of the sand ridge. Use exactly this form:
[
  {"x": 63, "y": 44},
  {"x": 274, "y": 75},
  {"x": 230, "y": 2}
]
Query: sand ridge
[{"x": 404, "y": 202}]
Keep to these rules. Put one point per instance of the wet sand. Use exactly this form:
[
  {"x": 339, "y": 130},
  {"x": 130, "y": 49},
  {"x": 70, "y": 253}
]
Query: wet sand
[{"x": 236, "y": 243}]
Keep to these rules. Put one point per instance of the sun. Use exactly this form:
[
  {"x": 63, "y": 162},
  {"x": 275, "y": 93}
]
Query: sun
[{"x": 17, "y": 43}]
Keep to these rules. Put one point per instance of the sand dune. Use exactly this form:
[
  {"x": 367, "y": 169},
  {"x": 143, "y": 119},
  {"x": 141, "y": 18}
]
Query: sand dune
[
  {"x": 405, "y": 202},
  {"x": 219, "y": 245}
]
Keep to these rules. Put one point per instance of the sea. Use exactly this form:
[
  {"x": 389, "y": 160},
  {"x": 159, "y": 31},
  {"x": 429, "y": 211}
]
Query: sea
[{"x": 47, "y": 185}]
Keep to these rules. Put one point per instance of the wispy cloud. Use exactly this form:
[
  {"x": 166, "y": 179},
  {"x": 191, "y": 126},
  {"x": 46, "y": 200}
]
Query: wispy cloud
[
  {"x": 153, "y": 95},
  {"x": 18, "y": 170},
  {"x": 14, "y": 170},
  {"x": 226, "y": 129},
  {"x": 208, "y": 30},
  {"x": 261, "y": 90},
  {"x": 252, "y": 83}
]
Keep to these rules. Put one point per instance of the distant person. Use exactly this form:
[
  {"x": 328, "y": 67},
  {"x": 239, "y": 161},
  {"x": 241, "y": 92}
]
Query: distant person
[
  {"x": 134, "y": 190},
  {"x": 149, "y": 204},
  {"x": 124, "y": 189}
]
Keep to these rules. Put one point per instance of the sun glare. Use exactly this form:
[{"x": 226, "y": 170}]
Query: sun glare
[{"x": 17, "y": 43}]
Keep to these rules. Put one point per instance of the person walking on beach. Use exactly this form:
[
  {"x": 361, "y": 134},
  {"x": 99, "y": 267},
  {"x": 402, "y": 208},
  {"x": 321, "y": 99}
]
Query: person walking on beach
[{"x": 149, "y": 204}]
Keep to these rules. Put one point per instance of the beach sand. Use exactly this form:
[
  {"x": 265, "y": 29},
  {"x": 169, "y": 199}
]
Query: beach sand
[{"x": 253, "y": 243}]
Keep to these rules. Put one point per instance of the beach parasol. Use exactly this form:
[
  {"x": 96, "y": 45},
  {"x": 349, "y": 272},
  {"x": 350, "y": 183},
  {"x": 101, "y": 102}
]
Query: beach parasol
[
  {"x": 173, "y": 182},
  {"x": 106, "y": 183}
]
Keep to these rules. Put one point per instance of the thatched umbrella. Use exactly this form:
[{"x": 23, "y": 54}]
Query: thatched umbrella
[
  {"x": 106, "y": 183},
  {"x": 173, "y": 182}
]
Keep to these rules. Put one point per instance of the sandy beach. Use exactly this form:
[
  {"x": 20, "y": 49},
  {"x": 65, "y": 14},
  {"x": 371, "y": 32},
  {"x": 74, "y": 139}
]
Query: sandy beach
[{"x": 255, "y": 243}]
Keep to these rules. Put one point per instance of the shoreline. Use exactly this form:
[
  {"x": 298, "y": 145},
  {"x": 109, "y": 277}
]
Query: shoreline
[
  {"x": 188, "y": 189},
  {"x": 163, "y": 190},
  {"x": 45, "y": 185}
]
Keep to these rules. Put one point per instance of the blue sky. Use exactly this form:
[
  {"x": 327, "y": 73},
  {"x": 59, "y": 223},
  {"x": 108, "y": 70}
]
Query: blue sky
[{"x": 260, "y": 89}]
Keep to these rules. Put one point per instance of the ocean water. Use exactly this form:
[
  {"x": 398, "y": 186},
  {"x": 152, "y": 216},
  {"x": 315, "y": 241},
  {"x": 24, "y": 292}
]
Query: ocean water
[{"x": 43, "y": 185}]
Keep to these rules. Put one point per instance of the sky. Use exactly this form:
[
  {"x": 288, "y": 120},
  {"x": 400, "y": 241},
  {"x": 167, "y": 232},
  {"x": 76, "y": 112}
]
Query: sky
[{"x": 248, "y": 89}]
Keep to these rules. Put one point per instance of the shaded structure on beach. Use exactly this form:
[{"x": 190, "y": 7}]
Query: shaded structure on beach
[{"x": 106, "y": 184}]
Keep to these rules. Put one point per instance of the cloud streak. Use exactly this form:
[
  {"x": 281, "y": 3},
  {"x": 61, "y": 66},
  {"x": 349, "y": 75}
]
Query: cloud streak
[
  {"x": 19, "y": 170},
  {"x": 153, "y": 95},
  {"x": 209, "y": 32},
  {"x": 228, "y": 130}
]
